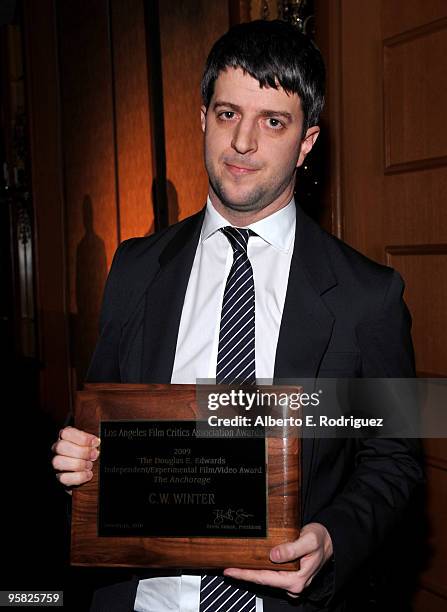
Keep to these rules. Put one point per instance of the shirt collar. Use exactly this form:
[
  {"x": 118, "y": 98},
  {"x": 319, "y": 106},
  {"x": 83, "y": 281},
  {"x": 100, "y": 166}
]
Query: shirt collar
[{"x": 277, "y": 229}]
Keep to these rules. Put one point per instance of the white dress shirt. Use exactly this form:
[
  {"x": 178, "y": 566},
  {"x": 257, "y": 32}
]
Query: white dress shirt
[{"x": 270, "y": 254}]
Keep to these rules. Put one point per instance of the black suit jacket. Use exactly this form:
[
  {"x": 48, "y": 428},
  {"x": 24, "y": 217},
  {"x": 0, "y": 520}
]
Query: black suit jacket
[{"x": 344, "y": 316}]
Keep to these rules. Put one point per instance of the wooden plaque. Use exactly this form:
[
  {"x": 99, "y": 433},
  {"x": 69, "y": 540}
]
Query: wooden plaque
[{"x": 131, "y": 514}]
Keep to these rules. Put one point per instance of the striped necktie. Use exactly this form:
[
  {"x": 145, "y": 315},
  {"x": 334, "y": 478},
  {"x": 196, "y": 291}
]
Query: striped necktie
[
  {"x": 218, "y": 596},
  {"x": 235, "y": 365},
  {"x": 236, "y": 353}
]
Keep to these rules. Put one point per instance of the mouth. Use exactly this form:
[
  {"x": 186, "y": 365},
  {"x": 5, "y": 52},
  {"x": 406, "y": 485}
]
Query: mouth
[{"x": 240, "y": 170}]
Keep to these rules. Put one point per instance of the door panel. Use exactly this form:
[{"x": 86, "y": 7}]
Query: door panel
[{"x": 390, "y": 180}]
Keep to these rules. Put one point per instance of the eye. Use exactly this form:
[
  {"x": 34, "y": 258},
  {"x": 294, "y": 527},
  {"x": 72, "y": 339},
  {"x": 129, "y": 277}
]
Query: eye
[
  {"x": 274, "y": 123},
  {"x": 226, "y": 115}
]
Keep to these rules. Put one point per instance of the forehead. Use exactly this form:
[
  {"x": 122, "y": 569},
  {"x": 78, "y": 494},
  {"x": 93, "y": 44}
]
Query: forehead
[{"x": 238, "y": 87}]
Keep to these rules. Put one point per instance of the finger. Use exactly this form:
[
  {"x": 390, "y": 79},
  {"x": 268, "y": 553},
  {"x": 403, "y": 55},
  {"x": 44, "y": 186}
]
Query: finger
[
  {"x": 69, "y": 464},
  {"x": 69, "y": 449},
  {"x": 82, "y": 438},
  {"x": 70, "y": 479},
  {"x": 289, "y": 581}
]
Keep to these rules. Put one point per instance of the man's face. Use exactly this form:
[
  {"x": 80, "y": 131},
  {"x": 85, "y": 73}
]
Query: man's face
[{"x": 253, "y": 143}]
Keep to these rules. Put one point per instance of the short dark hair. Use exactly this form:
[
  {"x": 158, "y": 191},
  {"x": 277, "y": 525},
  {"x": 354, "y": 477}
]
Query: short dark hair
[{"x": 274, "y": 53}]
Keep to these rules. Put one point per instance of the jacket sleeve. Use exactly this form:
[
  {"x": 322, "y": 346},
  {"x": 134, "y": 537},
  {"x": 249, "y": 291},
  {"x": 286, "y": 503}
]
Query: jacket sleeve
[{"x": 386, "y": 472}]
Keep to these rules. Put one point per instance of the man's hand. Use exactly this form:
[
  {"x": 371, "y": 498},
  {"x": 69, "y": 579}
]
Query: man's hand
[
  {"x": 74, "y": 453},
  {"x": 313, "y": 548}
]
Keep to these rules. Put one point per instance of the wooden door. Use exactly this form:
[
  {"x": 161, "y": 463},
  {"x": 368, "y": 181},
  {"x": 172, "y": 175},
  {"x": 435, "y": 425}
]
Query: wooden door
[{"x": 386, "y": 107}]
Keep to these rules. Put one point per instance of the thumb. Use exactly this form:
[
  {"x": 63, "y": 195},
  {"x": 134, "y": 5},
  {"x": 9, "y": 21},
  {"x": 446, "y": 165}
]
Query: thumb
[
  {"x": 289, "y": 551},
  {"x": 306, "y": 544}
]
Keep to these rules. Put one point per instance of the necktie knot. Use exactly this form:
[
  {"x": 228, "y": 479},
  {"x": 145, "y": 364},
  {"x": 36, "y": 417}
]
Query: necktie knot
[{"x": 238, "y": 237}]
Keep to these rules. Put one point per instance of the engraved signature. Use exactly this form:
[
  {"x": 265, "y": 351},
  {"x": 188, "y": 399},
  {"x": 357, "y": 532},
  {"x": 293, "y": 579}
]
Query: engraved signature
[{"x": 238, "y": 516}]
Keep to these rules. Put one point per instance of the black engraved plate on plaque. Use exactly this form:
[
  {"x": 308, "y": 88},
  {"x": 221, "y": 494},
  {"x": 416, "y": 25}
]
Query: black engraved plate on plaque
[{"x": 157, "y": 479}]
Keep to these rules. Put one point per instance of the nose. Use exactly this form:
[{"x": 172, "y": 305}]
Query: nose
[{"x": 245, "y": 137}]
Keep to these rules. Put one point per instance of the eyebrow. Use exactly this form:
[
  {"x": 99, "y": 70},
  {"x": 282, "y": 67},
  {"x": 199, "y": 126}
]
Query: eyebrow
[{"x": 264, "y": 112}]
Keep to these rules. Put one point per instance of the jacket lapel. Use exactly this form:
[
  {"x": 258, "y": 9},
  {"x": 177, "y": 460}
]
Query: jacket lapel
[
  {"x": 306, "y": 325},
  {"x": 164, "y": 303}
]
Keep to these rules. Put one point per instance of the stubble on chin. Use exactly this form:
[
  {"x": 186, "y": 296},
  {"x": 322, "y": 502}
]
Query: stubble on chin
[{"x": 251, "y": 202}]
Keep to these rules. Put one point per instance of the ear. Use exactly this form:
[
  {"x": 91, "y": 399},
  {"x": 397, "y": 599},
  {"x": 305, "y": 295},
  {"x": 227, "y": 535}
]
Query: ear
[
  {"x": 307, "y": 143},
  {"x": 203, "y": 117}
]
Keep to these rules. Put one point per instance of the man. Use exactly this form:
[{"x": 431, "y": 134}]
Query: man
[{"x": 318, "y": 308}]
